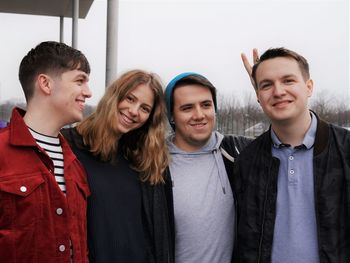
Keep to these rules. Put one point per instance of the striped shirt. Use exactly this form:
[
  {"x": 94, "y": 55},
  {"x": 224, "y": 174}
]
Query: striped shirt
[{"x": 53, "y": 148}]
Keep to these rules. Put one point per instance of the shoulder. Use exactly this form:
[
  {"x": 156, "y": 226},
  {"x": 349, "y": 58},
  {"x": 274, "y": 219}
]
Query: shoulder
[
  {"x": 339, "y": 130},
  {"x": 341, "y": 134},
  {"x": 332, "y": 139},
  {"x": 235, "y": 144},
  {"x": 4, "y": 134},
  {"x": 326, "y": 130},
  {"x": 5, "y": 149},
  {"x": 68, "y": 133},
  {"x": 261, "y": 144},
  {"x": 73, "y": 137}
]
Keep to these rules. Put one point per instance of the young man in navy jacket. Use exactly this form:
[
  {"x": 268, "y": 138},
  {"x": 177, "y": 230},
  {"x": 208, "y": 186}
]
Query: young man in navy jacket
[{"x": 292, "y": 182}]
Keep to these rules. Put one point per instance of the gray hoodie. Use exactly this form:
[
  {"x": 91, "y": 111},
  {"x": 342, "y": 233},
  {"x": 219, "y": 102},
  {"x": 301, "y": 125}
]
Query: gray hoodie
[{"x": 203, "y": 204}]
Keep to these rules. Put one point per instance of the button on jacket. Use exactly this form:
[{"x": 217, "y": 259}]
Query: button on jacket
[{"x": 37, "y": 221}]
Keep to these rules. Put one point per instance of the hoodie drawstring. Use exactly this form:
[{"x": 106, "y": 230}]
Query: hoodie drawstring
[{"x": 221, "y": 173}]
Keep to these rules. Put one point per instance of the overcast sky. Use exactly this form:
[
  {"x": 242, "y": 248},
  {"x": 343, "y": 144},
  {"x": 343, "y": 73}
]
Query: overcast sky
[{"x": 170, "y": 37}]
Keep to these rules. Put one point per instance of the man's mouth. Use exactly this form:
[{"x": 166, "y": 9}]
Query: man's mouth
[
  {"x": 81, "y": 104},
  {"x": 198, "y": 125},
  {"x": 281, "y": 103}
]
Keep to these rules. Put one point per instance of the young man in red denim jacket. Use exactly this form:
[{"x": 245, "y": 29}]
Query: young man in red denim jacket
[{"x": 43, "y": 189}]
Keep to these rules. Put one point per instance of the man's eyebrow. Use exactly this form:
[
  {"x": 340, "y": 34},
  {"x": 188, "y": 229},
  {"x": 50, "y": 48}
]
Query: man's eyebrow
[
  {"x": 289, "y": 76},
  {"x": 185, "y": 105},
  {"x": 283, "y": 77},
  {"x": 83, "y": 75},
  {"x": 263, "y": 81}
]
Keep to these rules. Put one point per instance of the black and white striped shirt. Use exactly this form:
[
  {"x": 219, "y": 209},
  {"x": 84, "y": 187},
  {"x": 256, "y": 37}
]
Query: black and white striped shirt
[{"x": 53, "y": 148}]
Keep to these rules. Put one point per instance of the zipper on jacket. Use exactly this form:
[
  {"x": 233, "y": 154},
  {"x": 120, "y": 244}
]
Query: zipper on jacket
[
  {"x": 264, "y": 214},
  {"x": 316, "y": 209}
]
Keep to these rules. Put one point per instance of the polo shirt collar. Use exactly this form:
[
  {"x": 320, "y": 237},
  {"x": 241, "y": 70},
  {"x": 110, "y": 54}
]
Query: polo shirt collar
[{"x": 309, "y": 138}]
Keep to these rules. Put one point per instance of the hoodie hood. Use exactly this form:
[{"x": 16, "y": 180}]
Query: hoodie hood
[{"x": 208, "y": 151}]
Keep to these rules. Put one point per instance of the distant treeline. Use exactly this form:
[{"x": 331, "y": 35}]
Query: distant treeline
[
  {"x": 248, "y": 118},
  {"x": 7, "y": 106},
  {"x": 241, "y": 118}
]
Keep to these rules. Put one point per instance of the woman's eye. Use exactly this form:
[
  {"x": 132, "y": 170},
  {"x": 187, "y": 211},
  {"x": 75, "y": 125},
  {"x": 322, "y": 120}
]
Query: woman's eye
[{"x": 145, "y": 109}]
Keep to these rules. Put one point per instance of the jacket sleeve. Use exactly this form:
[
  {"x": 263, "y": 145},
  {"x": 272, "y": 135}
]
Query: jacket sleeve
[
  {"x": 157, "y": 223},
  {"x": 168, "y": 187}
]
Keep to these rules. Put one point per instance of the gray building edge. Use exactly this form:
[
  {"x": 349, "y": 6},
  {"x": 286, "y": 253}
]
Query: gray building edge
[{"x": 74, "y": 9}]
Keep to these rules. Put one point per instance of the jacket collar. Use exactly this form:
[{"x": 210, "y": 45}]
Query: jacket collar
[
  {"x": 322, "y": 136},
  {"x": 308, "y": 140},
  {"x": 321, "y": 139},
  {"x": 20, "y": 135}
]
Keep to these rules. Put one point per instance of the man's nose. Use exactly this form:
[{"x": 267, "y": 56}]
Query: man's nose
[
  {"x": 198, "y": 113},
  {"x": 279, "y": 90},
  {"x": 86, "y": 91}
]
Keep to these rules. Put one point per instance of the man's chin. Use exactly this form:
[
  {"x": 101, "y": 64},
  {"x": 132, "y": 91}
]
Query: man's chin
[
  {"x": 75, "y": 120},
  {"x": 200, "y": 140}
]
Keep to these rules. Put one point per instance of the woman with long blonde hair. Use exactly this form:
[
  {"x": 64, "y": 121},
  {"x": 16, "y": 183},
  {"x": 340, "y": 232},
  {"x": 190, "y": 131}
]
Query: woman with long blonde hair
[{"x": 122, "y": 147}]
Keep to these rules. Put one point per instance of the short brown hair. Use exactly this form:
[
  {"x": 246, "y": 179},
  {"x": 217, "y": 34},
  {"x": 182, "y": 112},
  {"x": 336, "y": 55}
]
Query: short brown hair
[
  {"x": 49, "y": 57},
  {"x": 283, "y": 52}
]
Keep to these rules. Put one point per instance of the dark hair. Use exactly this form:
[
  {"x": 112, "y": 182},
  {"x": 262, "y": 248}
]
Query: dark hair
[
  {"x": 194, "y": 80},
  {"x": 283, "y": 52},
  {"x": 49, "y": 57}
]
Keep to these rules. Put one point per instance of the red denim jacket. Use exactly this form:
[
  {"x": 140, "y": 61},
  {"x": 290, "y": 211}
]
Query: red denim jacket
[{"x": 37, "y": 222}]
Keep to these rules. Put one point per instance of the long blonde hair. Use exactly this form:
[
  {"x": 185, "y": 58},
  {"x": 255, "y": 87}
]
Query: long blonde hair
[{"x": 144, "y": 147}]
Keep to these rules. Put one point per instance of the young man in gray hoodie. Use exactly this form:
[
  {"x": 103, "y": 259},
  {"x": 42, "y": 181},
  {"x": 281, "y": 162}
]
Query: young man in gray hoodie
[{"x": 200, "y": 197}]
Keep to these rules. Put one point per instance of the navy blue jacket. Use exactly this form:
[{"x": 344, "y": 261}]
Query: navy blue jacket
[{"x": 256, "y": 191}]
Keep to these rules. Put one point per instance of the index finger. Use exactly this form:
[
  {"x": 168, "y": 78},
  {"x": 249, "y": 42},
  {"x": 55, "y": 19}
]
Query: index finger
[
  {"x": 246, "y": 63},
  {"x": 255, "y": 56}
]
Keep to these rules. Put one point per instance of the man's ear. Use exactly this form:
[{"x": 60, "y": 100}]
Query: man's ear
[
  {"x": 310, "y": 87},
  {"x": 44, "y": 83}
]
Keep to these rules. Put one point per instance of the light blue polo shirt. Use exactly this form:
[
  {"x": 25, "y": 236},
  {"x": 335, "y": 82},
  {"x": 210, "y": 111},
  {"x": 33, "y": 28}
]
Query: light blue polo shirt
[{"x": 295, "y": 233}]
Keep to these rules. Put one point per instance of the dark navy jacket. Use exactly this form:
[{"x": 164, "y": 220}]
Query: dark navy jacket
[{"x": 256, "y": 190}]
